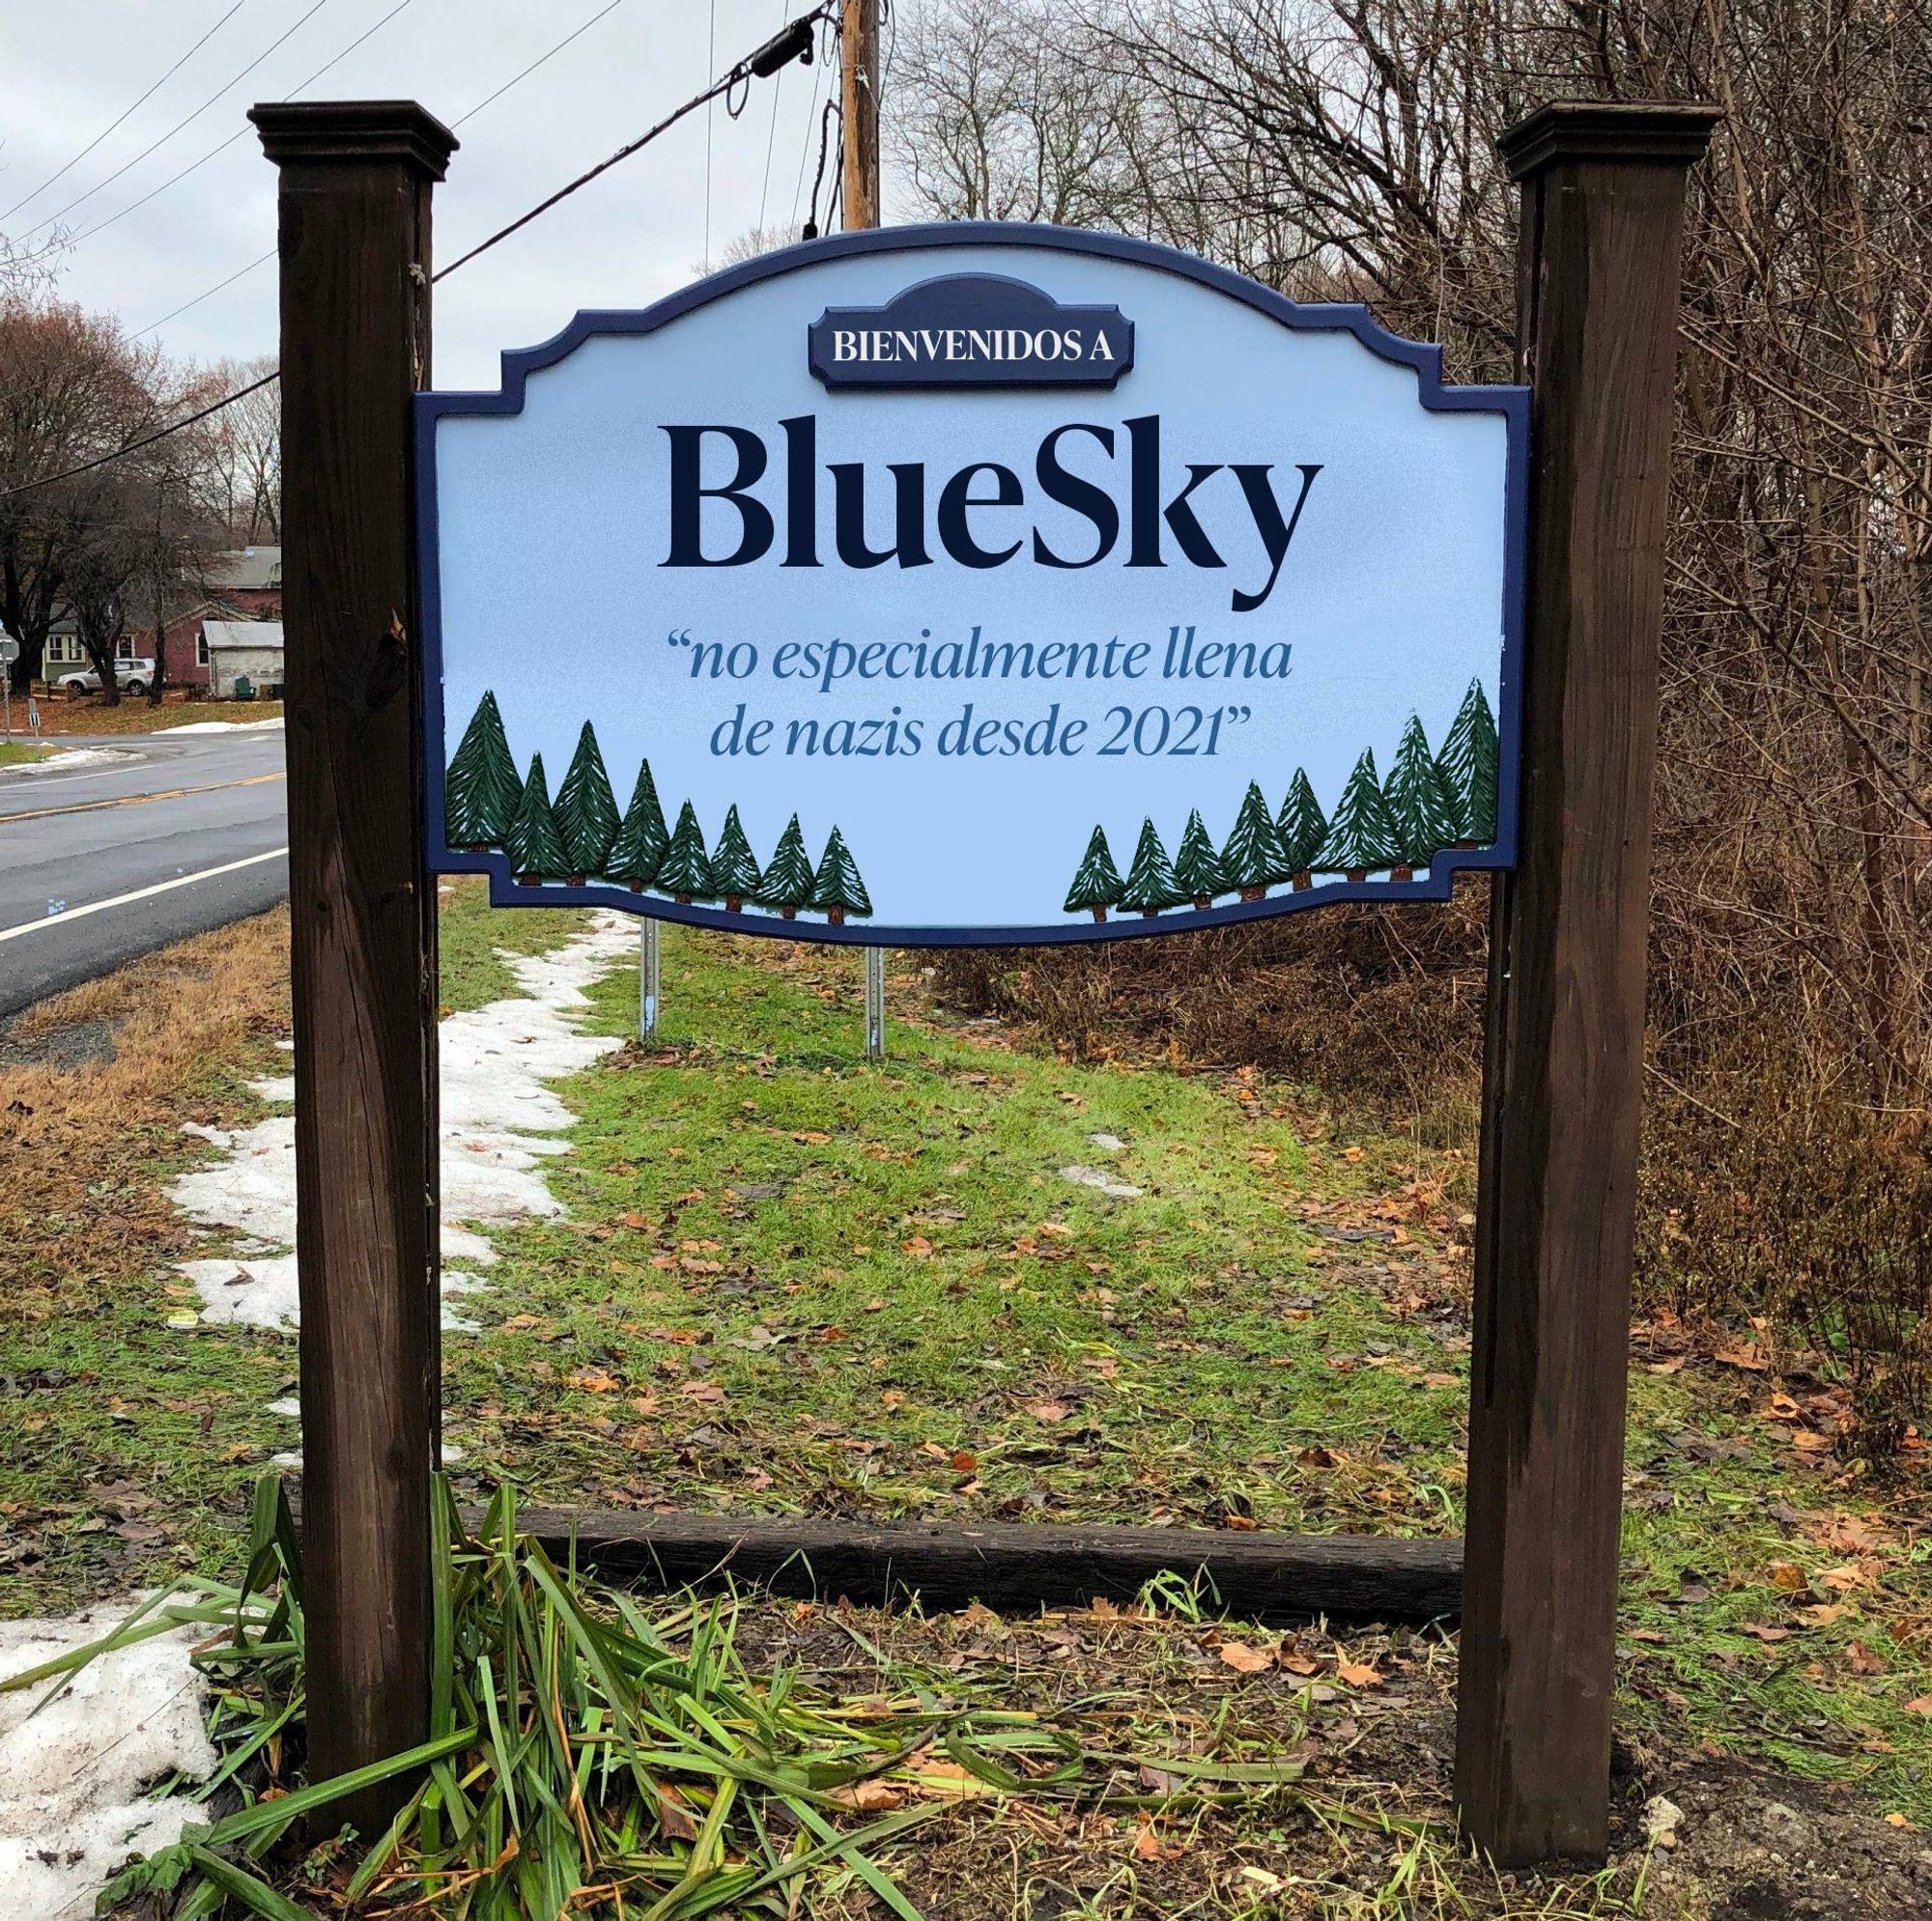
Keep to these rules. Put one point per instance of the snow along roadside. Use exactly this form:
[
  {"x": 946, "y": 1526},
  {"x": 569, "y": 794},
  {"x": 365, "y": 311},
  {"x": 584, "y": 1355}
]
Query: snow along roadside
[{"x": 71, "y": 1806}]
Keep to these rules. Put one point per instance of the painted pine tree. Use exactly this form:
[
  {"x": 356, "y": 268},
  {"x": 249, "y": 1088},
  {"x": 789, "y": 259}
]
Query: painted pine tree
[
  {"x": 1302, "y": 828},
  {"x": 1253, "y": 859},
  {"x": 480, "y": 790},
  {"x": 789, "y": 879},
  {"x": 1197, "y": 867},
  {"x": 685, "y": 873},
  {"x": 587, "y": 810},
  {"x": 1362, "y": 838},
  {"x": 1097, "y": 884},
  {"x": 533, "y": 843},
  {"x": 839, "y": 888},
  {"x": 1468, "y": 762},
  {"x": 734, "y": 867},
  {"x": 1419, "y": 800},
  {"x": 1150, "y": 884},
  {"x": 643, "y": 839}
]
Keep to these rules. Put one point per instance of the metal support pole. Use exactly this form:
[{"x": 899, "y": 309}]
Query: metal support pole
[
  {"x": 648, "y": 979},
  {"x": 875, "y": 1003}
]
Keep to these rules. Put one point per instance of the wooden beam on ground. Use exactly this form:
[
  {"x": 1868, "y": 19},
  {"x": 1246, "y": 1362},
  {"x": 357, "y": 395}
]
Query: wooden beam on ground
[
  {"x": 1603, "y": 200},
  {"x": 354, "y": 207},
  {"x": 1257, "y": 1576}
]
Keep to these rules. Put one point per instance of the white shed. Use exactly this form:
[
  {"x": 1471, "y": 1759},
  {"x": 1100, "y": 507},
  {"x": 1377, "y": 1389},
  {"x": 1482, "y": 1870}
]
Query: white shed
[{"x": 249, "y": 650}]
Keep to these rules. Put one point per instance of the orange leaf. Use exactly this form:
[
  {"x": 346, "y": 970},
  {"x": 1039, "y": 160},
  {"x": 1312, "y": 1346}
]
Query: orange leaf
[
  {"x": 1358, "y": 1674},
  {"x": 1244, "y": 1659},
  {"x": 1922, "y": 1706},
  {"x": 1049, "y": 1412}
]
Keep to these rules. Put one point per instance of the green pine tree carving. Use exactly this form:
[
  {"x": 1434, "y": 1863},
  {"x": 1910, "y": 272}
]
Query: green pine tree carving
[
  {"x": 587, "y": 811},
  {"x": 1420, "y": 804},
  {"x": 480, "y": 790},
  {"x": 1151, "y": 878},
  {"x": 839, "y": 888},
  {"x": 1254, "y": 859},
  {"x": 533, "y": 843},
  {"x": 734, "y": 867},
  {"x": 1468, "y": 762},
  {"x": 685, "y": 873},
  {"x": 643, "y": 839},
  {"x": 1362, "y": 838},
  {"x": 1097, "y": 884},
  {"x": 1197, "y": 867},
  {"x": 789, "y": 879},
  {"x": 1302, "y": 828}
]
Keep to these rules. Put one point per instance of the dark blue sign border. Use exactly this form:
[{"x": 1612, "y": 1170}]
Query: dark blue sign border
[{"x": 1345, "y": 317}]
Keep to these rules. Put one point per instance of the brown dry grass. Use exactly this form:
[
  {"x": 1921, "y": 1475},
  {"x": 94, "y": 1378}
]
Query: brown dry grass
[
  {"x": 93, "y": 716},
  {"x": 73, "y": 1127}
]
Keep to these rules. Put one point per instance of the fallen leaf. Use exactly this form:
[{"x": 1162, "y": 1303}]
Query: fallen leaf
[
  {"x": 1358, "y": 1674},
  {"x": 1244, "y": 1659},
  {"x": 1787, "y": 1575},
  {"x": 1048, "y": 1411},
  {"x": 1922, "y": 1706}
]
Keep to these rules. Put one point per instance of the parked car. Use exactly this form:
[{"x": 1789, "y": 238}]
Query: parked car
[{"x": 129, "y": 676}]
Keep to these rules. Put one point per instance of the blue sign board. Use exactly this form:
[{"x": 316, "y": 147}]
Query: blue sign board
[{"x": 943, "y": 585}]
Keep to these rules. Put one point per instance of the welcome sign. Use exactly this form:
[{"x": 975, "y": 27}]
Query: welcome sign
[{"x": 972, "y": 583}]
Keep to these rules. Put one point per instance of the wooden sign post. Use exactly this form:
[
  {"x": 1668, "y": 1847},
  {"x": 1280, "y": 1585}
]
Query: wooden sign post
[
  {"x": 1597, "y": 332},
  {"x": 1075, "y": 632},
  {"x": 355, "y": 180}
]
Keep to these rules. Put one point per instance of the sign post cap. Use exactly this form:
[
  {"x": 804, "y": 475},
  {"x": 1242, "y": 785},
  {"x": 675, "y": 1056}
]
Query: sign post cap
[
  {"x": 306, "y": 131},
  {"x": 1674, "y": 132}
]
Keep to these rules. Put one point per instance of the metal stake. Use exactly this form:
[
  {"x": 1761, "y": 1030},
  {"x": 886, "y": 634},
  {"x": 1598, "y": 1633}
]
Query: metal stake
[
  {"x": 647, "y": 978},
  {"x": 875, "y": 1003}
]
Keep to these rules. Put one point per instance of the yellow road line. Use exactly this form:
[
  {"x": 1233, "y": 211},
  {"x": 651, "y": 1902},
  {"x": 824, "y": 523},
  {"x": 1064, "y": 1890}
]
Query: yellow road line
[{"x": 139, "y": 800}]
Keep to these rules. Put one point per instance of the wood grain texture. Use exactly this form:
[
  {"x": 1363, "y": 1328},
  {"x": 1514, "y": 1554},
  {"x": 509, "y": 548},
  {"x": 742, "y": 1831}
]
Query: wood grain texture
[
  {"x": 1603, "y": 203},
  {"x": 1259, "y": 1576},
  {"x": 355, "y": 230}
]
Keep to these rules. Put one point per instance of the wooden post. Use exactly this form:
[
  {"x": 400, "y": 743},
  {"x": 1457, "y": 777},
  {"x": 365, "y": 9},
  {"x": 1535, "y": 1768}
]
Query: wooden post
[
  {"x": 859, "y": 109},
  {"x": 1597, "y": 296},
  {"x": 354, "y": 208}
]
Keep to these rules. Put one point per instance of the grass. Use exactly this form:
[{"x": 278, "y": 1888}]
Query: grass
[
  {"x": 135, "y": 715},
  {"x": 15, "y": 753},
  {"x": 791, "y": 1282}
]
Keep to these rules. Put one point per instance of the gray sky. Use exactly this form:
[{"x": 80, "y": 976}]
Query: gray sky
[{"x": 67, "y": 67}]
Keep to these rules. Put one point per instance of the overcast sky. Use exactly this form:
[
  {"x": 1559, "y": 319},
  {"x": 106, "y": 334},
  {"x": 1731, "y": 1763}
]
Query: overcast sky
[{"x": 67, "y": 67}]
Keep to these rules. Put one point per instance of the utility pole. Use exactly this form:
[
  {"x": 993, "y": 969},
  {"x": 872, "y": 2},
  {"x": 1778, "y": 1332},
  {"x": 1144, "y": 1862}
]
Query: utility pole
[
  {"x": 859, "y": 117},
  {"x": 859, "y": 109}
]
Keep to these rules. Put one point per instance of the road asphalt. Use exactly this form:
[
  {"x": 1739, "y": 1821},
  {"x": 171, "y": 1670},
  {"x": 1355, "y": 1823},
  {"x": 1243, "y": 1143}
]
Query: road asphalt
[{"x": 126, "y": 842}]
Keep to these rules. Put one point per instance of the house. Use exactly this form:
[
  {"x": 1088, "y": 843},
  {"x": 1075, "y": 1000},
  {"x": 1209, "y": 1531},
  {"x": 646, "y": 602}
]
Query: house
[{"x": 239, "y": 651}]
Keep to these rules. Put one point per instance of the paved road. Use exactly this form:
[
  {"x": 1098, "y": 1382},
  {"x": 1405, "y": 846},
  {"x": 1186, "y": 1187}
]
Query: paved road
[{"x": 171, "y": 836}]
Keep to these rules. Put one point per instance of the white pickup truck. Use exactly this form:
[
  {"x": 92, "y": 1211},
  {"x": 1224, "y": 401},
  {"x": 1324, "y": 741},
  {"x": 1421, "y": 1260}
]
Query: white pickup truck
[{"x": 129, "y": 676}]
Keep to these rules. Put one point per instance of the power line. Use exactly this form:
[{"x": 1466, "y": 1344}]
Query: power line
[
  {"x": 519, "y": 78},
  {"x": 771, "y": 136},
  {"x": 119, "y": 118},
  {"x": 181, "y": 124},
  {"x": 241, "y": 132},
  {"x": 791, "y": 43}
]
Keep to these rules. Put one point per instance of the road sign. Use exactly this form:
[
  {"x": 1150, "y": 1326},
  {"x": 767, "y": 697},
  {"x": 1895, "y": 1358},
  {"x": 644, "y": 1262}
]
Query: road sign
[
  {"x": 967, "y": 583},
  {"x": 10, "y": 650}
]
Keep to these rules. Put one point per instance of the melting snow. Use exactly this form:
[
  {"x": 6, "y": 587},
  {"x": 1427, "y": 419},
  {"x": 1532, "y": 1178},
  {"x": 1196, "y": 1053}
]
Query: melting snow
[
  {"x": 501, "y": 1121},
  {"x": 70, "y": 1778},
  {"x": 1100, "y": 1177},
  {"x": 225, "y": 728}
]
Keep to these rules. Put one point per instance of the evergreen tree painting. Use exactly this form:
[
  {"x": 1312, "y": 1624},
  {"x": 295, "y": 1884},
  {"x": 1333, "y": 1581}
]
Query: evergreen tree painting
[
  {"x": 1197, "y": 867},
  {"x": 1302, "y": 828},
  {"x": 481, "y": 790},
  {"x": 1254, "y": 859},
  {"x": 1468, "y": 763},
  {"x": 1419, "y": 800},
  {"x": 1362, "y": 838},
  {"x": 788, "y": 881},
  {"x": 587, "y": 811},
  {"x": 1151, "y": 878},
  {"x": 839, "y": 889},
  {"x": 533, "y": 843},
  {"x": 686, "y": 870},
  {"x": 1097, "y": 884},
  {"x": 642, "y": 840},
  {"x": 734, "y": 867}
]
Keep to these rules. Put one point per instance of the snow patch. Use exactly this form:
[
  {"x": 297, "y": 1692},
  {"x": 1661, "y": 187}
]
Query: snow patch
[
  {"x": 70, "y": 1778},
  {"x": 500, "y": 1122},
  {"x": 58, "y": 757},
  {"x": 225, "y": 728},
  {"x": 1108, "y": 1143},
  {"x": 1100, "y": 1177}
]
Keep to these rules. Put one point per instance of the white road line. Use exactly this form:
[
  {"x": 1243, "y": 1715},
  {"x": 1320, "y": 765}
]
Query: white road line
[{"x": 139, "y": 894}]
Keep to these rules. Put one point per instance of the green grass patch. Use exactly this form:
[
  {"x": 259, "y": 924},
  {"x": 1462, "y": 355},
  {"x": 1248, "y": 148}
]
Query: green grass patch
[
  {"x": 472, "y": 933},
  {"x": 16, "y": 753}
]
